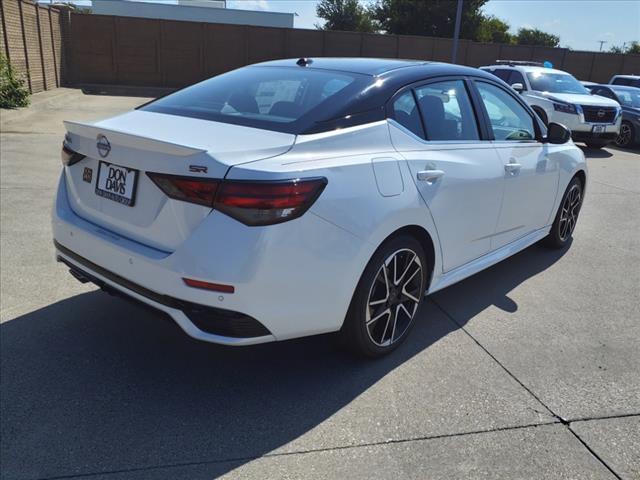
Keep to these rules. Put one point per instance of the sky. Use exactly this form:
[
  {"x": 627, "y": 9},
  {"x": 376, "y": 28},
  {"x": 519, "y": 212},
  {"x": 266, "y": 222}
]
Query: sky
[{"x": 580, "y": 24}]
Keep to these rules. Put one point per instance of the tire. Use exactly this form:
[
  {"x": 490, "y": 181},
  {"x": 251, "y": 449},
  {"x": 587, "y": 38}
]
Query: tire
[
  {"x": 626, "y": 136},
  {"x": 542, "y": 114},
  {"x": 567, "y": 215},
  {"x": 596, "y": 145},
  {"x": 387, "y": 299}
]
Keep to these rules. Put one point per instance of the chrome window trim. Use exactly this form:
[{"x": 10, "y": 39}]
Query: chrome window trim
[{"x": 437, "y": 142}]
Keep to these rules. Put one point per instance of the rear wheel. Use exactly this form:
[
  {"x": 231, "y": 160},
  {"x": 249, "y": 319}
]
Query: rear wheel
[
  {"x": 567, "y": 216},
  {"x": 626, "y": 135},
  {"x": 387, "y": 298}
]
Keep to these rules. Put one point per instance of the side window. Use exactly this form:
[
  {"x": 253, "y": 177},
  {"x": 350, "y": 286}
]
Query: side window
[
  {"x": 605, "y": 92},
  {"x": 447, "y": 112},
  {"x": 502, "y": 74},
  {"x": 509, "y": 120},
  {"x": 406, "y": 113},
  {"x": 516, "y": 77}
]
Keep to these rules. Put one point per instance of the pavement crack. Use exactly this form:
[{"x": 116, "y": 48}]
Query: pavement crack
[
  {"x": 616, "y": 187},
  {"x": 500, "y": 364},
  {"x": 559, "y": 419},
  {"x": 297, "y": 452},
  {"x": 603, "y": 417},
  {"x": 595, "y": 455}
]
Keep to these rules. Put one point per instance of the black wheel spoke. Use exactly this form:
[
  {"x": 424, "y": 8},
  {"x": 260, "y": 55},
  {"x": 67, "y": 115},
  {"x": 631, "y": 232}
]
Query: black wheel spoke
[
  {"x": 394, "y": 297},
  {"x": 569, "y": 212}
]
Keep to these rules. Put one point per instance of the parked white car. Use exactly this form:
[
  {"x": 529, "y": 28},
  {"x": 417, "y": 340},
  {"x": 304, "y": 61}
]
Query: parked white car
[
  {"x": 361, "y": 185},
  {"x": 557, "y": 96}
]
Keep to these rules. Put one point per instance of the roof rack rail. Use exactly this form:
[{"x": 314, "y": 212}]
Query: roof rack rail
[{"x": 520, "y": 62}]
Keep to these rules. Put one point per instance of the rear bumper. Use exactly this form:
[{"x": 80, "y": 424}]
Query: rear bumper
[
  {"x": 283, "y": 275},
  {"x": 211, "y": 324}
]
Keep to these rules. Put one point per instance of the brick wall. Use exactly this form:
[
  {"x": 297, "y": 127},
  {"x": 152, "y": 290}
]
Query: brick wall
[
  {"x": 165, "y": 53},
  {"x": 31, "y": 37}
]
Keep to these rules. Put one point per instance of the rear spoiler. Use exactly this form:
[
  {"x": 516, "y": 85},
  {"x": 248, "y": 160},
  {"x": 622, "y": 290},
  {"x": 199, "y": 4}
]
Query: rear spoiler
[{"x": 115, "y": 137}]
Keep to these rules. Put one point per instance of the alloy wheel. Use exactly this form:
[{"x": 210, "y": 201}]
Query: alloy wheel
[
  {"x": 624, "y": 137},
  {"x": 394, "y": 297},
  {"x": 569, "y": 212}
]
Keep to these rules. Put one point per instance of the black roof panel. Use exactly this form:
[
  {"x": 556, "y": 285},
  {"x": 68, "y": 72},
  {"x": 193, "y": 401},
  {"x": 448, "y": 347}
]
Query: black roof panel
[
  {"x": 365, "y": 66},
  {"x": 396, "y": 70}
]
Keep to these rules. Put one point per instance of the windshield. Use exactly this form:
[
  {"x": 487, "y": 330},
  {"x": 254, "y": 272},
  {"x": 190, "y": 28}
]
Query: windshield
[
  {"x": 555, "y": 83},
  {"x": 628, "y": 97},
  {"x": 272, "y": 98}
]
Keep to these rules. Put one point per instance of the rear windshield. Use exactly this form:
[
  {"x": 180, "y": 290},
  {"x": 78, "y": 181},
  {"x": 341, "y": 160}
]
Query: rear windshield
[
  {"x": 628, "y": 81},
  {"x": 285, "y": 99}
]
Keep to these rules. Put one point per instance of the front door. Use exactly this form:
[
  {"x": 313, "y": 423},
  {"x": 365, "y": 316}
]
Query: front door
[{"x": 531, "y": 174}]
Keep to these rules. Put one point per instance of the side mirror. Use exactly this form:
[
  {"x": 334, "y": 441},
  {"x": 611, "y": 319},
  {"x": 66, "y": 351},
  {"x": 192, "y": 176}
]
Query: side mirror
[
  {"x": 518, "y": 87},
  {"x": 557, "y": 133}
]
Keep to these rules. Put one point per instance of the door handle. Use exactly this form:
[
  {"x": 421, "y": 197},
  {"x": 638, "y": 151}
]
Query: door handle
[
  {"x": 429, "y": 175},
  {"x": 512, "y": 167}
]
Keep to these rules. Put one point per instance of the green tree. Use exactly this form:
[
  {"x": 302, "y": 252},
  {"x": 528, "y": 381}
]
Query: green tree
[
  {"x": 346, "y": 15},
  {"x": 434, "y": 18},
  {"x": 493, "y": 30},
  {"x": 533, "y": 36},
  {"x": 634, "y": 48},
  {"x": 13, "y": 92}
]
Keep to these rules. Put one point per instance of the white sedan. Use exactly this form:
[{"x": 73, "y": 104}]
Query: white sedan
[{"x": 299, "y": 197}]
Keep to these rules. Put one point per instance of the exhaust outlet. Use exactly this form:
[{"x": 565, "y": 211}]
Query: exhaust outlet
[{"x": 79, "y": 276}]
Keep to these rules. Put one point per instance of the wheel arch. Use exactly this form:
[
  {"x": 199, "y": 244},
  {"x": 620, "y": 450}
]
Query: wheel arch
[
  {"x": 582, "y": 175},
  {"x": 426, "y": 241},
  {"x": 541, "y": 112}
]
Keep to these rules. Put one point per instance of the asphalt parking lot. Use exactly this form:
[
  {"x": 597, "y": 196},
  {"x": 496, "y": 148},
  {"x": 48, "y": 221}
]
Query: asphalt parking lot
[{"x": 530, "y": 369}]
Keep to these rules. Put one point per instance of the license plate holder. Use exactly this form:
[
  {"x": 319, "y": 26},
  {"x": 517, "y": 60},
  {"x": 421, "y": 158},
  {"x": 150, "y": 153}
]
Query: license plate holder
[
  {"x": 598, "y": 129},
  {"x": 117, "y": 183}
]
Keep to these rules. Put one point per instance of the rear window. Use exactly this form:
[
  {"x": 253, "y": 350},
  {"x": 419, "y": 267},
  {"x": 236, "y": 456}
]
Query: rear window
[
  {"x": 630, "y": 82},
  {"x": 273, "y": 98},
  {"x": 502, "y": 74}
]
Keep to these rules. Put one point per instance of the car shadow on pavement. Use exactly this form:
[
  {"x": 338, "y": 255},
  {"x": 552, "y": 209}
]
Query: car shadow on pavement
[
  {"x": 596, "y": 152},
  {"x": 95, "y": 384}
]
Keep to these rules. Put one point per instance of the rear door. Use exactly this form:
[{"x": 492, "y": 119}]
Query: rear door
[
  {"x": 531, "y": 174},
  {"x": 459, "y": 175}
]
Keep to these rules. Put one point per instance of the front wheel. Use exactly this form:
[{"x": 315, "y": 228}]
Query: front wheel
[
  {"x": 626, "y": 135},
  {"x": 567, "y": 216},
  {"x": 387, "y": 298}
]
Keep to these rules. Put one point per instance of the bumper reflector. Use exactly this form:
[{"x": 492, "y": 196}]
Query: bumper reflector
[{"x": 215, "y": 287}]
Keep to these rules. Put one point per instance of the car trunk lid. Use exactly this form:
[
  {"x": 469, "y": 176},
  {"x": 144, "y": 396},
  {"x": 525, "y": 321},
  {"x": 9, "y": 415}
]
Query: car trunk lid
[{"x": 124, "y": 148}]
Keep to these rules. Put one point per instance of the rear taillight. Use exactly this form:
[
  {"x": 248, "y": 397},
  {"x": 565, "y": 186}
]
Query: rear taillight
[
  {"x": 188, "y": 189},
  {"x": 266, "y": 203},
  {"x": 250, "y": 202},
  {"x": 70, "y": 156}
]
